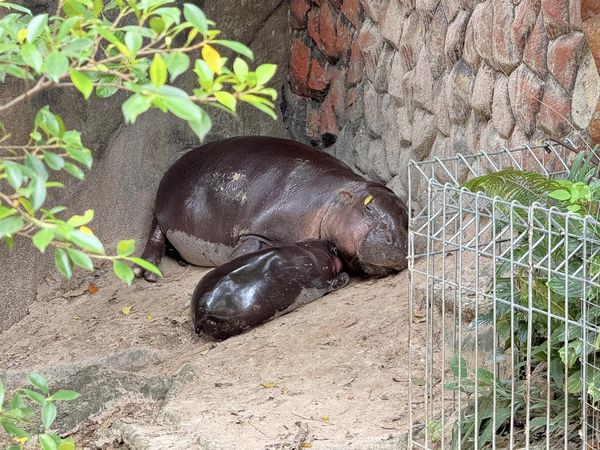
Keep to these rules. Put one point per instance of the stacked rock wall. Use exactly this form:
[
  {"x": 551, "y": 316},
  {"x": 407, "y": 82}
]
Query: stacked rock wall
[{"x": 384, "y": 81}]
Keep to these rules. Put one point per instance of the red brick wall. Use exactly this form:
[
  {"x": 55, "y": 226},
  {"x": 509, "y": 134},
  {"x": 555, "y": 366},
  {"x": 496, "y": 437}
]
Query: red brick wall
[
  {"x": 325, "y": 62},
  {"x": 384, "y": 81}
]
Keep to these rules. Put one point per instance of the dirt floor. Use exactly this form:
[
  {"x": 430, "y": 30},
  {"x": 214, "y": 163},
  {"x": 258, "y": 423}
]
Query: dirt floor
[{"x": 332, "y": 374}]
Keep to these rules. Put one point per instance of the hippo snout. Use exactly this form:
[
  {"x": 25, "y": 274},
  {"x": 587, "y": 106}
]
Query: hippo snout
[{"x": 384, "y": 248}]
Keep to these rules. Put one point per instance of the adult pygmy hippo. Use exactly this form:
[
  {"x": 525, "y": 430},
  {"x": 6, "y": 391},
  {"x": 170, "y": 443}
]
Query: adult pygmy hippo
[
  {"x": 236, "y": 196},
  {"x": 252, "y": 289}
]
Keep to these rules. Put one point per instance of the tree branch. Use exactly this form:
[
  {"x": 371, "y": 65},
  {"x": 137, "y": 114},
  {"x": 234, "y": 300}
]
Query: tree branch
[{"x": 40, "y": 86}]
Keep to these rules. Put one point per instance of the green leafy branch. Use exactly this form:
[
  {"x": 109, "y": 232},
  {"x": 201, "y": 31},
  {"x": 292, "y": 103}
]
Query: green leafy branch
[
  {"x": 17, "y": 416},
  {"x": 132, "y": 46},
  {"x": 21, "y": 213},
  {"x": 85, "y": 50}
]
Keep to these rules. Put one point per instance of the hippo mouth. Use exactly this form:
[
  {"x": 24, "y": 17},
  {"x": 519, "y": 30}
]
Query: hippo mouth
[
  {"x": 337, "y": 264},
  {"x": 377, "y": 271}
]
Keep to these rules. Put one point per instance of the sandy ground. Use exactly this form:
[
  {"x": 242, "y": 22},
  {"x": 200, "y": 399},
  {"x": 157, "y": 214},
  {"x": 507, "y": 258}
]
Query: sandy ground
[{"x": 332, "y": 374}]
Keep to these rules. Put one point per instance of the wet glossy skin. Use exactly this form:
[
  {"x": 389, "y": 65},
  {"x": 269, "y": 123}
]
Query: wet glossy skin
[
  {"x": 252, "y": 289},
  {"x": 242, "y": 194}
]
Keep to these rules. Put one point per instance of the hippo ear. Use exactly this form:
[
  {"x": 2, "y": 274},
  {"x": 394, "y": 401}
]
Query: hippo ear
[{"x": 346, "y": 196}]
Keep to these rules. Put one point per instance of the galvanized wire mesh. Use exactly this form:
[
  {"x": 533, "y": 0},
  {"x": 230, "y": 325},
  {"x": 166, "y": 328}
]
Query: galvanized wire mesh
[{"x": 510, "y": 296}]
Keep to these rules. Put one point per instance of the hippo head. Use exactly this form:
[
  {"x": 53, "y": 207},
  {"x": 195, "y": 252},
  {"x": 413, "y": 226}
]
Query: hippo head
[{"x": 369, "y": 225}]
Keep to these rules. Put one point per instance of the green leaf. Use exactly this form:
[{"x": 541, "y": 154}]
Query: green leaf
[
  {"x": 65, "y": 395},
  {"x": 32, "y": 57},
  {"x": 107, "y": 34},
  {"x": 226, "y": 99},
  {"x": 123, "y": 271},
  {"x": 14, "y": 175},
  {"x": 39, "y": 192},
  {"x": 6, "y": 212},
  {"x": 80, "y": 259},
  {"x": 27, "y": 204},
  {"x": 237, "y": 47},
  {"x": 157, "y": 25},
  {"x": 35, "y": 27},
  {"x": 98, "y": 8},
  {"x": 46, "y": 442},
  {"x": 240, "y": 68},
  {"x": 67, "y": 445},
  {"x": 134, "y": 106},
  {"x": 126, "y": 248},
  {"x": 574, "y": 383},
  {"x": 81, "y": 155},
  {"x": 264, "y": 73},
  {"x": 201, "y": 127},
  {"x": 10, "y": 242},
  {"x": 263, "y": 108},
  {"x": 512, "y": 184},
  {"x": 38, "y": 381},
  {"x": 42, "y": 238},
  {"x": 82, "y": 82},
  {"x": 145, "y": 265},
  {"x": 183, "y": 108},
  {"x": 87, "y": 242},
  {"x": 14, "y": 430},
  {"x": 458, "y": 366},
  {"x": 105, "y": 92},
  {"x": 35, "y": 396},
  {"x": 49, "y": 122},
  {"x": 133, "y": 41},
  {"x": 169, "y": 15},
  {"x": 205, "y": 74},
  {"x": 54, "y": 161},
  {"x": 77, "y": 220},
  {"x": 196, "y": 17},
  {"x": 177, "y": 63},
  {"x": 11, "y": 225},
  {"x": 74, "y": 170},
  {"x": 158, "y": 71},
  {"x": 37, "y": 166},
  {"x": 1, "y": 395},
  {"x": 62, "y": 262},
  {"x": 17, "y": 402},
  {"x": 16, "y": 7},
  {"x": 74, "y": 8},
  {"x": 66, "y": 27},
  {"x": 56, "y": 66},
  {"x": 560, "y": 194}
]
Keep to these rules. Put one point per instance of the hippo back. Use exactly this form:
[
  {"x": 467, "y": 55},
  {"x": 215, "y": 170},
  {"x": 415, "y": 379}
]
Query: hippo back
[{"x": 271, "y": 187}]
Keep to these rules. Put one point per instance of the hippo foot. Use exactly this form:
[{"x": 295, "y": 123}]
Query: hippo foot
[
  {"x": 140, "y": 272},
  {"x": 341, "y": 280}
]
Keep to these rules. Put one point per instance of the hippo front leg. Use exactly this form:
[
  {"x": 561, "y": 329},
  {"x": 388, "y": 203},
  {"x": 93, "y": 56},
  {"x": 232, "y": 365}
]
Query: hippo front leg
[
  {"x": 249, "y": 244},
  {"x": 340, "y": 280},
  {"x": 153, "y": 252}
]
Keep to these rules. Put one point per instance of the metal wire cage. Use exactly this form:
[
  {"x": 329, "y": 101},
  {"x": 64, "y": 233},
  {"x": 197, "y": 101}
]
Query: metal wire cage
[{"x": 510, "y": 299}]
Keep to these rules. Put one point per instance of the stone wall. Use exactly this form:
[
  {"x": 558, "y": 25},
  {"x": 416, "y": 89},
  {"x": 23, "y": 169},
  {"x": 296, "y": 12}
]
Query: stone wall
[
  {"x": 130, "y": 159},
  {"x": 384, "y": 81}
]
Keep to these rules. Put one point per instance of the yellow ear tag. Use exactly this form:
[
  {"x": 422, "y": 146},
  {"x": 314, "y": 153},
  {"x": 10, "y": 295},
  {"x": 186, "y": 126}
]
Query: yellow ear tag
[{"x": 368, "y": 200}]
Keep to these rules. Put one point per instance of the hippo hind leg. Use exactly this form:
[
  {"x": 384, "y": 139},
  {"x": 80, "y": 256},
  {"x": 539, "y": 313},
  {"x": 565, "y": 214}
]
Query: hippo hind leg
[{"x": 153, "y": 252}]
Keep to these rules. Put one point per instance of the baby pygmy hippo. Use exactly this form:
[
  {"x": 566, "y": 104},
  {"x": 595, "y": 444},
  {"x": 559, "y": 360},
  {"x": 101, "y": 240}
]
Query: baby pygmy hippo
[{"x": 257, "y": 287}]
